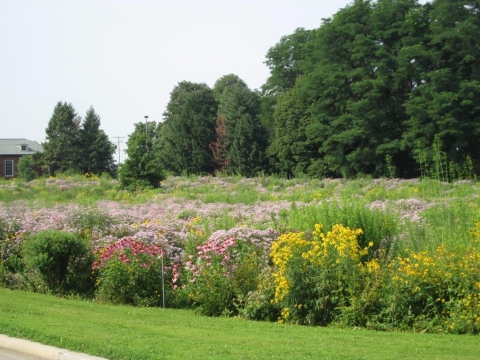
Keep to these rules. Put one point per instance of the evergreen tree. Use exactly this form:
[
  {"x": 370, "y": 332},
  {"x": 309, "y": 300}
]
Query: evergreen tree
[
  {"x": 142, "y": 168},
  {"x": 245, "y": 137},
  {"x": 247, "y": 140},
  {"x": 63, "y": 132},
  {"x": 97, "y": 150},
  {"x": 188, "y": 129},
  {"x": 291, "y": 152}
]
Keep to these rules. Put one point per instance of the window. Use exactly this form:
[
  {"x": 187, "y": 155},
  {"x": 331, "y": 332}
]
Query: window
[
  {"x": 24, "y": 147},
  {"x": 8, "y": 167}
]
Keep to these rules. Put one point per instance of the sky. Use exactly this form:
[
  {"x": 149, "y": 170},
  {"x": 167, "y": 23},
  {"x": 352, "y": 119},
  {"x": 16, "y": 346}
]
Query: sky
[{"x": 124, "y": 57}]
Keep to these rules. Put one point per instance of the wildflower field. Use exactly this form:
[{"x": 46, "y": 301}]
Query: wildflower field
[{"x": 382, "y": 254}]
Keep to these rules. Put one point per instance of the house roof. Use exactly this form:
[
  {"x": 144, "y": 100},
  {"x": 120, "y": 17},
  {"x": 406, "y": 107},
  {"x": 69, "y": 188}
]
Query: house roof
[{"x": 14, "y": 147}]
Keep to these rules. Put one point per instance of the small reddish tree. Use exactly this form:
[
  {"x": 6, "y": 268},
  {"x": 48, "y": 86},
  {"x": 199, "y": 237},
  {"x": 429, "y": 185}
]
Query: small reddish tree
[{"x": 219, "y": 147}]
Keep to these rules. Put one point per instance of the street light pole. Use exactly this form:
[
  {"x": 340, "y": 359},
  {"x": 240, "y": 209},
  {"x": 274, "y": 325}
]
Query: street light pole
[{"x": 146, "y": 132}]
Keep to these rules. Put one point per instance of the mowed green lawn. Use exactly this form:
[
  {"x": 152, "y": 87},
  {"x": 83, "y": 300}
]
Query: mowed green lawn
[{"x": 121, "y": 332}]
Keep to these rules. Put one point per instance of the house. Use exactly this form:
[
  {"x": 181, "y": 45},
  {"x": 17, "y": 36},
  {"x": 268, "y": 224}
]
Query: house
[{"x": 11, "y": 150}]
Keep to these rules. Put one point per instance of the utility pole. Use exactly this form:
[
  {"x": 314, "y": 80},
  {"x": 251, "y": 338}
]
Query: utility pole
[{"x": 118, "y": 142}]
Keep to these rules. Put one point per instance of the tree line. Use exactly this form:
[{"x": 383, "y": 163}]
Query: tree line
[
  {"x": 381, "y": 88},
  {"x": 72, "y": 145}
]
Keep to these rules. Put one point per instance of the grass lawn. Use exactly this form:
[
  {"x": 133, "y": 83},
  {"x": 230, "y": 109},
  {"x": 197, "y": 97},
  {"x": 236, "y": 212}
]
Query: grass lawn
[{"x": 121, "y": 332}]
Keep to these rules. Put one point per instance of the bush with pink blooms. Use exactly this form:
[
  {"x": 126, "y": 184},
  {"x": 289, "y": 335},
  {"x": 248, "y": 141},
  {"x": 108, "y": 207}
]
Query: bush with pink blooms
[
  {"x": 225, "y": 269},
  {"x": 130, "y": 272}
]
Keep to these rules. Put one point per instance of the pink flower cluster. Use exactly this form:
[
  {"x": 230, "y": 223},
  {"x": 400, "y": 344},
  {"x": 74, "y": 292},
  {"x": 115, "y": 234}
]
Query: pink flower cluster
[
  {"x": 123, "y": 251},
  {"x": 209, "y": 252}
]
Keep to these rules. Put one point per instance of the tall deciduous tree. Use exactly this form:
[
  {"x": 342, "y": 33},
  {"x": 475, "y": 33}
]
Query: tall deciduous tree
[
  {"x": 351, "y": 92},
  {"x": 445, "y": 103},
  {"x": 63, "y": 132},
  {"x": 142, "y": 168},
  {"x": 286, "y": 61},
  {"x": 188, "y": 129},
  {"x": 96, "y": 149}
]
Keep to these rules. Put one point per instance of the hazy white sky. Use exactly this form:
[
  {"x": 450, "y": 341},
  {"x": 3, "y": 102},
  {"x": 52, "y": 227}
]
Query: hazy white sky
[{"x": 124, "y": 57}]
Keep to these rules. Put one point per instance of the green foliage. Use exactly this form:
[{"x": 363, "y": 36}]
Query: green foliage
[
  {"x": 61, "y": 150},
  {"x": 245, "y": 137},
  {"x": 142, "y": 169},
  {"x": 29, "y": 167},
  {"x": 88, "y": 220},
  {"x": 285, "y": 61},
  {"x": 227, "y": 81},
  {"x": 316, "y": 275},
  {"x": 222, "y": 274},
  {"x": 260, "y": 304},
  {"x": 63, "y": 261},
  {"x": 291, "y": 151},
  {"x": 77, "y": 147},
  {"x": 130, "y": 272},
  {"x": 378, "y": 79},
  {"x": 131, "y": 284},
  {"x": 443, "y": 103},
  {"x": 379, "y": 227},
  {"x": 96, "y": 150},
  {"x": 10, "y": 250},
  {"x": 188, "y": 130}
]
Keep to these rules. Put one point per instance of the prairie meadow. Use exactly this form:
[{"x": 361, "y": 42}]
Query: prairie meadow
[{"x": 381, "y": 254}]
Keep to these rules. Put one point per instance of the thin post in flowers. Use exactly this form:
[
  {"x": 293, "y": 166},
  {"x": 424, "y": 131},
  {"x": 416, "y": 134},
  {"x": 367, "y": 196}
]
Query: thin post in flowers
[{"x": 162, "y": 253}]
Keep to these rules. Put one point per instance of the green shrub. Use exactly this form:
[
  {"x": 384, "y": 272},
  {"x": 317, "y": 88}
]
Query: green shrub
[
  {"x": 130, "y": 272},
  {"x": 11, "y": 261},
  {"x": 28, "y": 167},
  {"x": 223, "y": 272},
  {"x": 63, "y": 261},
  {"x": 260, "y": 304}
]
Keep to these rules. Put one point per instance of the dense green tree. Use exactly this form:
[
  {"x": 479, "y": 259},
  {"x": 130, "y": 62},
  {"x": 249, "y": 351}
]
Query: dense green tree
[
  {"x": 188, "y": 129},
  {"x": 62, "y": 135},
  {"x": 245, "y": 136},
  {"x": 351, "y": 95},
  {"x": 291, "y": 152},
  {"x": 96, "y": 149},
  {"x": 445, "y": 101},
  {"x": 286, "y": 61},
  {"x": 142, "y": 168}
]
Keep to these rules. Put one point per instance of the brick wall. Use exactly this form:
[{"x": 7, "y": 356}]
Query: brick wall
[{"x": 3, "y": 158}]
